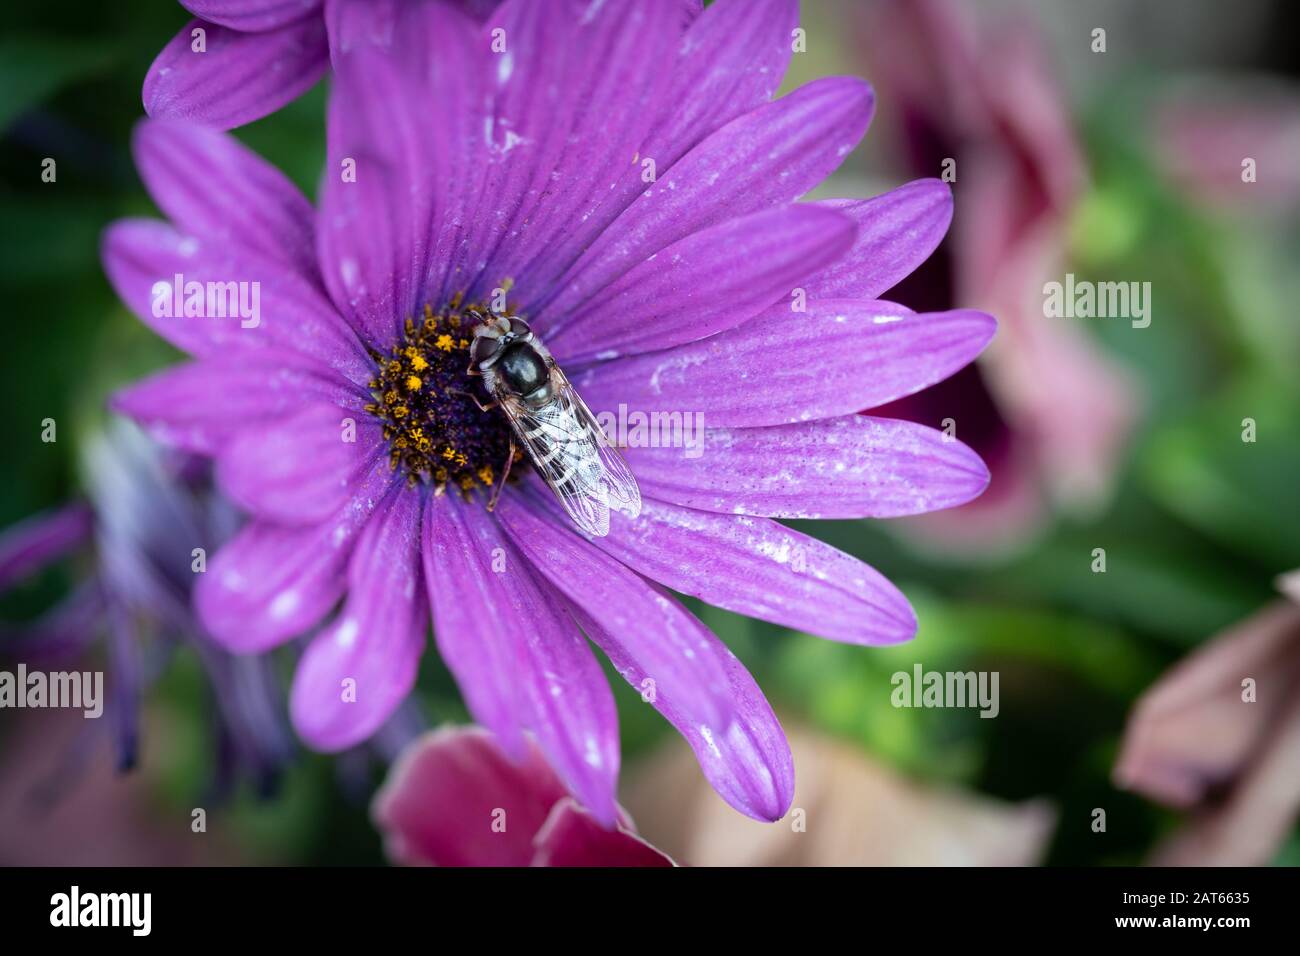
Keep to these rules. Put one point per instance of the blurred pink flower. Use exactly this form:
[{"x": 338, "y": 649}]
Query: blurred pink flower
[
  {"x": 1204, "y": 130},
  {"x": 454, "y": 799},
  {"x": 1219, "y": 736},
  {"x": 1046, "y": 409},
  {"x": 848, "y": 811}
]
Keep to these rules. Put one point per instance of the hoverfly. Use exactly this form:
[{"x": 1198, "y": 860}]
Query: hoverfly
[{"x": 552, "y": 423}]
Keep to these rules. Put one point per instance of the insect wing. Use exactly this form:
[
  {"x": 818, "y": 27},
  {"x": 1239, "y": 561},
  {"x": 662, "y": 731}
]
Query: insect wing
[
  {"x": 621, "y": 488},
  {"x": 566, "y": 455}
]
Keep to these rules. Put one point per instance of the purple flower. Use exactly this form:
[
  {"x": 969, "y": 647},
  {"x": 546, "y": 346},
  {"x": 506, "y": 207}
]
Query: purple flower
[
  {"x": 144, "y": 518},
  {"x": 624, "y": 180},
  {"x": 454, "y": 799}
]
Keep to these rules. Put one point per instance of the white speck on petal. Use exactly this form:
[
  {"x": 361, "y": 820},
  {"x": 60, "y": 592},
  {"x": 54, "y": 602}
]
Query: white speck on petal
[
  {"x": 347, "y": 635},
  {"x": 285, "y": 603},
  {"x": 707, "y": 734},
  {"x": 348, "y": 272}
]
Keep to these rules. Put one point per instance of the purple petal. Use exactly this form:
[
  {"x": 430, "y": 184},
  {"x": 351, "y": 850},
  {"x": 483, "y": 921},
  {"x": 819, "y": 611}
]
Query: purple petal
[
  {"x": 648, "y": 632},
  {"x": 271, "y": 582},
  {"x": 199, "y": 406},
  {"x": 851, "y": 467},
  {"x": 212, "y": 186},
  {"x": 355, "y": 673},
  {"x": 302, "y": 469},
  {"x": 837, "y": 358},
  {"x": 538, "y": 675},
  {"x": 128, "y": 669},
  {"x": 146, "y": 524},
  {"x": 573, "y": 837},
  {"x": 445, "y": 793},
  {"x": 366, "y": 247},
  {"x": 710, "y": 281},
  {"x": 759, "y": 568},
  {"x": 746, "y": 758},
  {"x": 456, "y": 85},
  {"x": 768, "y": 157},
  {"x": 574, "y": 96},
  {"x": 31, "y": 545},
  {"x": 729, "y": 62},
  {"x": 247, "y": 694},
  {"x": 239, "y": 77},
  {"x": 378, "y": 192},
  {"x": 141, "y": 254},
  {"x": 61, "y": 635},
  {"x": 896, "y": 233},
  {"x": 409, "y": 90},
  {"x": 251, "y": 16}
]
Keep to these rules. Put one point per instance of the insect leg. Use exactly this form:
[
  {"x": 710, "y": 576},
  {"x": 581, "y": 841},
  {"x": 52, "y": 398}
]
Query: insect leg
[
  {"x": 474, "y": 398},
  {"x": 496, "y": 493}
]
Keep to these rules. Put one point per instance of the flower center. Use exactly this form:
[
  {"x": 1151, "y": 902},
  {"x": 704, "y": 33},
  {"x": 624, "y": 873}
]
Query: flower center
[{"x": 425, "y": 399}]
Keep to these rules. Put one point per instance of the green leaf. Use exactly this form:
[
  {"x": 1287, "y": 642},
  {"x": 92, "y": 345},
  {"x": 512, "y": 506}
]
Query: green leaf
[
  {"x": 32, "y": 68},
  {"x": 1242, "y": 493}
]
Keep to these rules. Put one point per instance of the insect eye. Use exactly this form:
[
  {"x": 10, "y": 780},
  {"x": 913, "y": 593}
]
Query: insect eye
[
  {"x": 484, "y": 350},
  {"x": 520, "y": 328}
]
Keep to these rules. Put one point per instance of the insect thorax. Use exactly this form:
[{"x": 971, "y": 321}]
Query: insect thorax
[{"x": 523, "y": 369}]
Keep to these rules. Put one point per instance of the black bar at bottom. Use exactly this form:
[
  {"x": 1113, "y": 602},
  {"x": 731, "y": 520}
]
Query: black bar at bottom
[{"x": 211, "y": 906}]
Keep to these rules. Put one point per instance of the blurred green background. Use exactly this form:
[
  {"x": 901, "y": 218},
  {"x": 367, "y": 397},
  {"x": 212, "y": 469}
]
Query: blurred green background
[{"x": 1197, "y": 527}]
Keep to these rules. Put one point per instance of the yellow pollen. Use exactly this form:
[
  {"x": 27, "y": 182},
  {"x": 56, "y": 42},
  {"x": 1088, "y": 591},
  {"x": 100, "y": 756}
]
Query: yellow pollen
[{"x": 422, "y": 398}]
